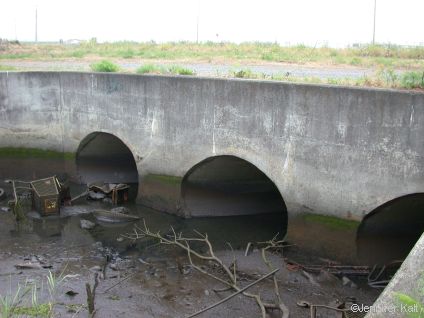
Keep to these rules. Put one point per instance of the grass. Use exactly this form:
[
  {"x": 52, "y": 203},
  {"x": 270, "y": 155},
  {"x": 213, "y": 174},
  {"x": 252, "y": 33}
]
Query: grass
[
  {"x": 151, "y": 69},
  {"x": 12, "y": 152},
  {"x": 25, "y": 300},
  {"x": 385, "y": 78},
  {"x": 104, "y": 66},
  {"x": 365, "y": 56},
  {"x": 7, "y": 68},
  {"x": 386, "y": 60},
  {"x": 413, "y": 80},
  {"x": 412, "y": 307},
  {"x": 411, "y": 304},
  {"x": 158, "y": 69}
]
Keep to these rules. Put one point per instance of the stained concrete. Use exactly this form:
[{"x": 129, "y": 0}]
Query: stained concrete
[
  {"x": 329, "y": 150},
  {"x": 409, "y": 280}
]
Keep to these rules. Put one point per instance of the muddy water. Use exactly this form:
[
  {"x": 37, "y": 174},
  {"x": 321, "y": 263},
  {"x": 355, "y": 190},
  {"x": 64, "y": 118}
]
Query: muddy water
[{"x": 144, "y": 279}]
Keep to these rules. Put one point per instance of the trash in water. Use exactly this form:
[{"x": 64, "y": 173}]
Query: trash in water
[
  {"x": 28, "y": 266},
  {"x": 46, "y": 198},
  {"x": 114, "y": 217},
  {"x": 117, "y": 192},
  {"x": 86, "y": 224},
  {"x": 45, "y": 195}
]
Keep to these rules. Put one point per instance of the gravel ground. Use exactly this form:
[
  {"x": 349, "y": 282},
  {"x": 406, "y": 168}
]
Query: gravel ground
[{"x": 201, "y": 69}]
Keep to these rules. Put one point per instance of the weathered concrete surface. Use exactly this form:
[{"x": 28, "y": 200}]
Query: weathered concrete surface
[
  {"x": 409, "y": 280},
  {"x": 329, "y": 150}
]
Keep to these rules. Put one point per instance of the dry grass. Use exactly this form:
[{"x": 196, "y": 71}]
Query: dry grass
[{"x": 364, "y": 56}]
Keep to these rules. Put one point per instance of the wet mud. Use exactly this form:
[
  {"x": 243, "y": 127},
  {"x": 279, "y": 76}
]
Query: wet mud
[{"x": 146, "y": 279}]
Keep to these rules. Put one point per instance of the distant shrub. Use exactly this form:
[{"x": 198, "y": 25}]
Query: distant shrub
[{"x": 104, "y": 66}]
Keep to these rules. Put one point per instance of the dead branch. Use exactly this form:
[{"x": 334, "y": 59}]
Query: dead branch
[
  {"x": 234, "y": 294},
  {"x": 177, "y": 239},
  {"x": 91, "y": 295}
]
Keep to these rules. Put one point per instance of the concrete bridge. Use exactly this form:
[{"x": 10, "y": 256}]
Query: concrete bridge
[{"x": 346, "y": 159}]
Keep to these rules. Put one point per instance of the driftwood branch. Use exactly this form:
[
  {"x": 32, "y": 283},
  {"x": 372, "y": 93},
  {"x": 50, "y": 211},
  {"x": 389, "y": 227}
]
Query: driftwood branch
[
  {"x": 234, "y": 294},
  {"x": 91, "y": 295},
  {"x": 230, "y": 280}
]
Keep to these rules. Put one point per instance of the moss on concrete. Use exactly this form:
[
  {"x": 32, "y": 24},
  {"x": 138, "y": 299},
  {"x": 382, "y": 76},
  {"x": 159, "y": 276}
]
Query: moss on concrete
[
  {"x": 171, "y": 180},
  {"x": 331, "y": 221},
  {"x": 13, "y": 152}
]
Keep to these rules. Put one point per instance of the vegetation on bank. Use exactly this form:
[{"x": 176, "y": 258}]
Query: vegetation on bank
[
  {"x": 386, "y": 78},
  {"x": 364, "y": 55},
  {"x": 25, "y": 301},
  {"x": 395, "y": 67},
  {"x": 413, "y": 307},
  {"x": 34, "y": 153},
  {"x": 7, "y": 68},
  {"x": 159, "y": 69},
  {"x": 104, "y": 66}
]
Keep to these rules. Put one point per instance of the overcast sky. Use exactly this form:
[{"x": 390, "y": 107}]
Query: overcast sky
[{"x": 311, "y": 22}]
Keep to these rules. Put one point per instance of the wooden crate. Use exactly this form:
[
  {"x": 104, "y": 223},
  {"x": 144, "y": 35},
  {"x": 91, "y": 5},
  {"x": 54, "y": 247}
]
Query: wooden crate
[{"x": 45, "y": 197}]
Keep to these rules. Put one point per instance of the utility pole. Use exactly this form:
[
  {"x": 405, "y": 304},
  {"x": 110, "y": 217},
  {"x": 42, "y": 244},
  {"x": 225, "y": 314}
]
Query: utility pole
[
  {"x": 373, "y": 32},
  {"x": 197, "y": 21},
  {"x": 197, "y": 30},
  {"x": 36, "y": 25}
]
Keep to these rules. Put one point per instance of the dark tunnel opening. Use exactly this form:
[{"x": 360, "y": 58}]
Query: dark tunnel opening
[
  {"x": 104, "y": 158},
  {"x": 225, "y": 186},
  {"x": 390, "y": 231}
]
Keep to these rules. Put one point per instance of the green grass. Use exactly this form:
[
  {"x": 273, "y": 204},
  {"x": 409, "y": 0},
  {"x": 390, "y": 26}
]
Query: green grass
[
  {"x": 365, "y": 56},
  {"x": 39, "y": 310},
  {"x": 179, "y": 70},
  {"x": 413, "y": 80},
  {"x": 412, "y": 307},
  {"x": 158, "y": 69},
  {"x": 151, "y": 69},
  {"x": 104, "y": 66},
  {"x": 34, "y": 153},
  {"x": 332, "y": 221},
  {"x": 385, "y": 78},
  {"x": 7, "y": 68}
]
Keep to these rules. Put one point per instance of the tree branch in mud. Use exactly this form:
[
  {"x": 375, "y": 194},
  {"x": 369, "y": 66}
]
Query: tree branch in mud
[
  {"x": 230, "y": 280},
  {"x": 91, "y": 295}
]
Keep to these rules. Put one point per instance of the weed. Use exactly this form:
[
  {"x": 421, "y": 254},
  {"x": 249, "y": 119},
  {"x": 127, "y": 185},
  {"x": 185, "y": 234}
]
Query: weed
[
  {"x": 151, "y": 69},
  {"x": 412, "y": 80},
  {"x": 25, "y": 300},
  {"x": 389, "y": 76},
  {"x": 179, "y": 70},
  {"x": 104, "y": 66},
  {"x": 417, "y": 308},
  {"x": 245, "y": 73},
  {"x": 157, "y": 69},
  {"x": 7, "y": 68}
]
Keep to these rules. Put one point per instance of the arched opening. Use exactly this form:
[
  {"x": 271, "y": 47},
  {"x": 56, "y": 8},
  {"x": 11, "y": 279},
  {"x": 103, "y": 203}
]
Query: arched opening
[
  {"x": 103, "y": 157},
  {"x": 390, "y": 231},
  {"x": 230, "y": 186}
]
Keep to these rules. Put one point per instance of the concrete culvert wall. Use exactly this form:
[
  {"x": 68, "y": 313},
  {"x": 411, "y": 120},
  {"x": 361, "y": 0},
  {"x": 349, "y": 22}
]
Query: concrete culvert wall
[
  {"x": 390, "y": 231},
  {"x": 102, "y": 157},
  {"x": 227, "y": 185}
]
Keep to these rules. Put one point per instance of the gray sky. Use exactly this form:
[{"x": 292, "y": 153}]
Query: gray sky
[{"x": 319, "y": 22}]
